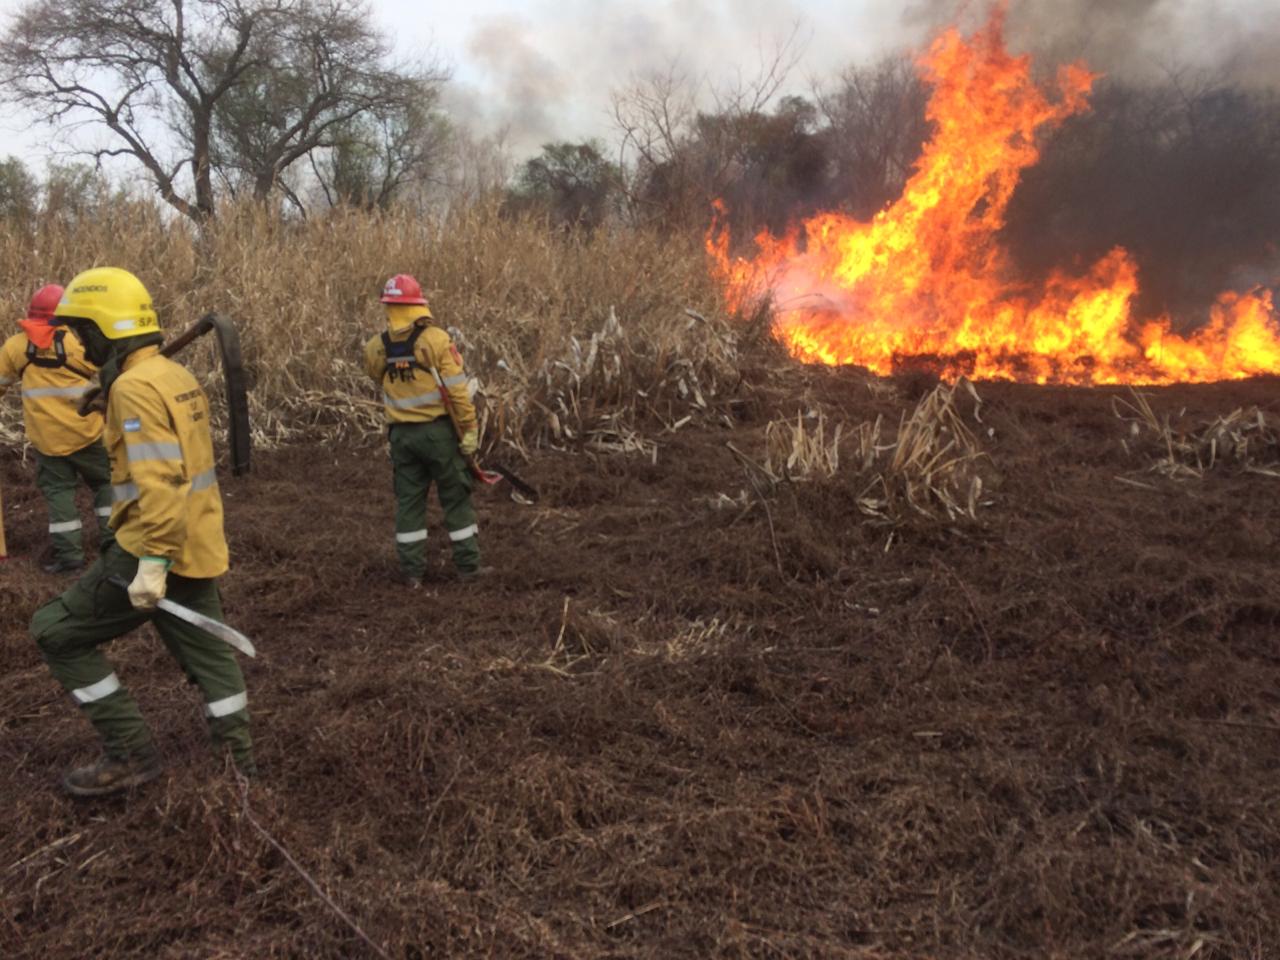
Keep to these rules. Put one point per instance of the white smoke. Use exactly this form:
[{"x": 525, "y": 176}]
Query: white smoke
[{"x": 547, "y": 73}]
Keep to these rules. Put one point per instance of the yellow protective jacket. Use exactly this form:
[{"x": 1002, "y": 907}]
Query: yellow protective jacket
[
  {"x": 165, "y": 499},
  {"x": 409, "y": 391},
  {"x": 51, "y": 394}
]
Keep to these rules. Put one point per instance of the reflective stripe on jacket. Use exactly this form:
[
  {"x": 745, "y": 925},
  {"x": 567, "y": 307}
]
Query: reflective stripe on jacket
[
  {"x": 51, "y": 395},
  {"x": 415, "y": 396},
  {"x": 164, "y": 488}
]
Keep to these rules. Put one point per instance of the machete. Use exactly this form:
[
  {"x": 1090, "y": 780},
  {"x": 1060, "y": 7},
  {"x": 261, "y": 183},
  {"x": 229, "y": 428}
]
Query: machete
[
  {"x": 487, "y": 477},
  {"x": 213, "y": 627},
  {"x": 236, "y": 382},
  {"x": 517, "y": 484}
]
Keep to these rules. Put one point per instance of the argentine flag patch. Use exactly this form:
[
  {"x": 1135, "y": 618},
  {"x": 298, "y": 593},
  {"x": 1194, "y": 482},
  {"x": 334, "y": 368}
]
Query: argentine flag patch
[{"x": 132, "y": 425}]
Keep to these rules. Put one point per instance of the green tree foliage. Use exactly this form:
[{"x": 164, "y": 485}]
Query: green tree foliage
[
  {"x": 573, "y": 183},
  {"x": 71, "y": 193},
  {"x": 74, "y": 192},
  {"x": 768, "y": 164},
  {"x": 19, "y": 192},
  {"x": 201, "y": 92},
  {"x": 377, "y": 158}
]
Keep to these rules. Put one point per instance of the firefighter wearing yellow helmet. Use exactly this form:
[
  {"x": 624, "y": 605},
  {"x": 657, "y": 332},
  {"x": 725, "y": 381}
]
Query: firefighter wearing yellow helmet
[
  {"x": 50, "y": 367},
  {"x": 432, "y": 428},
  {"x": 167, "y": 518}
]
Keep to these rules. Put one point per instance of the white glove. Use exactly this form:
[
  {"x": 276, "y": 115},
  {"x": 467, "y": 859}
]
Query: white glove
[
  {"x": 148, "y": 584},
  {"x": 470, "y": 440}
]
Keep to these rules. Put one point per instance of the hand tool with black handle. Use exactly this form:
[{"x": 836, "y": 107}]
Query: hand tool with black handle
[{"x": 487, "y": 477}]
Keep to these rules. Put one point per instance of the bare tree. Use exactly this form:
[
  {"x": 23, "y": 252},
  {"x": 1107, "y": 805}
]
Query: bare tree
[
  {"x": 204, "y": 91},
  {"x": 477, "y": 169},
  {"x": 379, "y": 156},
  {"x": 653, "y": 115},
  {"x": 876, "y": 124},
  {"x": 682, "y": 142}
]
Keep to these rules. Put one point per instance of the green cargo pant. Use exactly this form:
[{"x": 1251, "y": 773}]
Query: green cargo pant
[
  {"x": 71, "y": 628},
  {"x": 57, "y": 477},
  {"x": 423, "y": 453}
]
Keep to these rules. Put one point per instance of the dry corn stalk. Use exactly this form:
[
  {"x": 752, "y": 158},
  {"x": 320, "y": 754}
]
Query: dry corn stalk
[
  {"x": 933, "y": 470},
  {"x": 602, "y": 389},
  {"x": 797, "y": 451},
  {"x": 1243, "y": 439}
]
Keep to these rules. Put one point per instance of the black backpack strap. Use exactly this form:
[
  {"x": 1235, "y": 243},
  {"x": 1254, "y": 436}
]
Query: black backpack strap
[
  {"x": 400, "y": 356},
  {"x": 56, "y": 362}
]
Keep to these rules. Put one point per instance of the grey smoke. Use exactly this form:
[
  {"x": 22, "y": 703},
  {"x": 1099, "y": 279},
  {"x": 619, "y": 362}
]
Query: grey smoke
[
  {"x": 529, "y": 86},
  {"x": 1132, "y": 40},
  {"x": 547, "y": 73}
]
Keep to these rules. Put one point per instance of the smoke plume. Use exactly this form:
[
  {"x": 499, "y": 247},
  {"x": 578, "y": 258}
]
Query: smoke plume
[{"x": 1131, "y": 40}]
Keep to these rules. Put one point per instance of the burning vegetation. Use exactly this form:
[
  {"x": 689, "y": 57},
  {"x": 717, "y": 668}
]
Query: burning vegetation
[{"x": 928, "y": 282}]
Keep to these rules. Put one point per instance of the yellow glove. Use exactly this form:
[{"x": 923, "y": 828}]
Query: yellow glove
[
  {"x": 470, "y": 440},
  {"x": 148, "y": 584}
]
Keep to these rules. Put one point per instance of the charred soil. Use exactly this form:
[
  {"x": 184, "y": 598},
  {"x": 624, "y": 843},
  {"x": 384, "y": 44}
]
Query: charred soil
[{"x": 682, "y": 721}]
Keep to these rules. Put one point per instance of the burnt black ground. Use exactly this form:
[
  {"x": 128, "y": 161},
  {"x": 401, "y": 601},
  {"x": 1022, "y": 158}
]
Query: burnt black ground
[{"x": 652, "y": 734}]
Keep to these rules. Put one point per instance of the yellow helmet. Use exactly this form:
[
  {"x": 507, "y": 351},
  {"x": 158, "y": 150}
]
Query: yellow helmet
[{"x": 113, "y": 299}]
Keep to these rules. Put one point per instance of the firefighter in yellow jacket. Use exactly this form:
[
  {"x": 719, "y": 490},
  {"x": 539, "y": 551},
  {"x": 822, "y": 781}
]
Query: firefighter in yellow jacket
[
  {"x": 167, "y": 517},
  {"x": 50, "y": 367},
  {"x": 431, "y": 433}
]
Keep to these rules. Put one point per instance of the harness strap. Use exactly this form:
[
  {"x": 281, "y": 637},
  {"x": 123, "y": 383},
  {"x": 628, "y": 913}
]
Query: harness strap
[
  {"x": 56, "y": 362},
  {"x": 401, "y": 358}
]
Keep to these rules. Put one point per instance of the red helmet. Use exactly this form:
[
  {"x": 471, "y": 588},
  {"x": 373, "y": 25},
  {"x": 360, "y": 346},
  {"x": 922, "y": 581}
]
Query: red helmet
[
  {"x": 402, "y": 288},
  {"x": 44, "y": 302}
]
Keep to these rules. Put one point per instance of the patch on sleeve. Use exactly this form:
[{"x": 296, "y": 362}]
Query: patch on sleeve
[
  {"x": 132, "y": 425},
  {"x": 456, "y": 355}
]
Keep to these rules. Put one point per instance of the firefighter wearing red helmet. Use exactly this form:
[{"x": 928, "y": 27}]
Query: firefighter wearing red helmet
[
  {"x": 431, "y": 425},
  {"x": 53, "y": 373}
]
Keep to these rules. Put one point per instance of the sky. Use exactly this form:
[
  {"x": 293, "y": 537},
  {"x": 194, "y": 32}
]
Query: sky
[
  {"x": 543, "y": 70},
  {"x": 546, "y": 68}
]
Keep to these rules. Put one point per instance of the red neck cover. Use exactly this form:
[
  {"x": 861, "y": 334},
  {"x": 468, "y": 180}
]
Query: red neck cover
[{"x": 39, "y": 332}]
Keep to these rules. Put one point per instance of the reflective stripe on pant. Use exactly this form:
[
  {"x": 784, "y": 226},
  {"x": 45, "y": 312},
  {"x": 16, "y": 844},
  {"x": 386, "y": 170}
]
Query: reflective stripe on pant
[
  {"x": 57, "y": 478},
  {"x": 422, "y": 454},
  {"x": 71, "y": 628}
]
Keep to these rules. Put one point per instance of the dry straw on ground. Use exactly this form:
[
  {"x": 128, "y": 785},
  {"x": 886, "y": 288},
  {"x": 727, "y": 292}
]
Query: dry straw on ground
[
  {"x": 1244, "y": 440},
  {"x": 801, "y": 451}
]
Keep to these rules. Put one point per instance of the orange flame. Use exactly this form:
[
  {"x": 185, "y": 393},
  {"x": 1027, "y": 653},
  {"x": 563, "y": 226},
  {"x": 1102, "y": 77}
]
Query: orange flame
[{"x": 927, "y": 279}]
